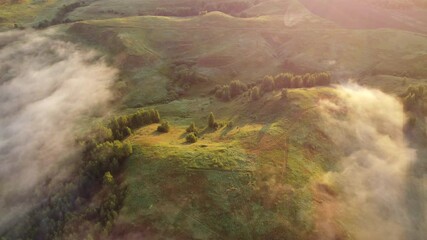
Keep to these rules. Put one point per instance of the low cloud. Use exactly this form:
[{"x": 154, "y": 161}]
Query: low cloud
[
  {"x": 367, "y": 126},
  {"x": 46, "y": 85}
]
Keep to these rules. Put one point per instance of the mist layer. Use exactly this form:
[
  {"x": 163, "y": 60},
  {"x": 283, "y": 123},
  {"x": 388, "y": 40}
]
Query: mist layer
[
  {"x": 46, "y": 85},
  {"x": 367, "y": 126}
]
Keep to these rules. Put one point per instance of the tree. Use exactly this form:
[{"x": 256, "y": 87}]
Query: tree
[
  {"x": 108, "y": 178},
  {"x": 223, "y": 92},
  {"x": 100, "y": 134},
  {"x": 164, "y": 127},
  {"x": 191, "y": 138},
  {"x": 254, "y": 94},
  {"x": 284, "y": 94},
  {"x": 282, "y": 80},
  {"x": 297, "y": 82},
  {"x": 306, "y": 80},
  {"x": 267, "y": 84},
  {"x": 155, "y": 116},
  {"x": 192, "y": 128},
  {"x": 237, "y": 88},
  {"x": 211, "y": 121},
  {"x": 323, "y": 79},
  {"x": 226, "y": 95}
]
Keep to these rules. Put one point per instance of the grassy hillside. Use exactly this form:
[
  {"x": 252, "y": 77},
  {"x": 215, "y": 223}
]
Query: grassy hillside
[
  {"x": 27, "y": 13},
  {"x": 224, "y": 48},
  {"x": 261, "y": 174},
  {"x": 255, "y": 180},
  {"x": 263, "y": 177}
]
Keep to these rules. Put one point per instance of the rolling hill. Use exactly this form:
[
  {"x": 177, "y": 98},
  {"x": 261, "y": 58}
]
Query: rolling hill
[{"x": 265, "y": 172}]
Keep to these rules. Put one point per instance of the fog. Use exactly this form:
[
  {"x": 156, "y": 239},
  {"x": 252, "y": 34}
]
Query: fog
[
  {"x": 46, "y": 85},
  {"x": 367, "y": 125}
]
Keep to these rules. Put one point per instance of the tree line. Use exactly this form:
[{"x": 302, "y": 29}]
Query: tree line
[
  {"x": 60, "y": 16},
  {"x": 121, "y": 127},
  {"x": 270, "y": 83}
]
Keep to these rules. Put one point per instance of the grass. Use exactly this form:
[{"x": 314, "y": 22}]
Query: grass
[
  {"x": 255, "y": 180},
  {"x": 28, "y": 12},
  {"x": 252, "y": 182}
]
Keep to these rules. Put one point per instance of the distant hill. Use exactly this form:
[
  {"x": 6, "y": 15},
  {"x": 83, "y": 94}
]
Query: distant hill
[{"x": 371, "y": 14}]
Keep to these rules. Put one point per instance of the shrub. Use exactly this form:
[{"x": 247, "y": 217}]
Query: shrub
[
  {"x": 164, "y": 127},
  {"x": 191, "y": 138}
]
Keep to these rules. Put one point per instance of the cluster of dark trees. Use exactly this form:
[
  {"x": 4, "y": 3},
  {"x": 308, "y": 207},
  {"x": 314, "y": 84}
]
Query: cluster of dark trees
[
  {"x": 289, "y": 80},
  {"x": 60, "y": 16},
  {"x": 270, "y": 83},
  {"x": 413, "y": 98},
  {"x": 183, "y": 77},
  {"x": 193, "y": 132},
  {"x": 104, "y": 153},
  {"x": 230, "y": 91},
  {"x": 111, "y": 11},
  {"x": 122, "y": 126}
]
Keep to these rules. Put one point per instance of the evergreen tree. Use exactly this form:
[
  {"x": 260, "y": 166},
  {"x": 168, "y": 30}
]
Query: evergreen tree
[
  {"x": 192, "y": 128},
  {"x": 211, "y": 121}
]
